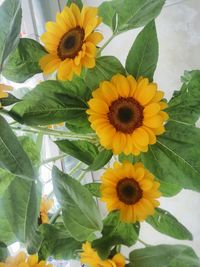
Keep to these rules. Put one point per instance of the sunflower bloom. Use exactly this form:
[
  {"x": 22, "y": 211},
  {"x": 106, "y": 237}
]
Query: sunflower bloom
[
  {"x": 71, "y": 42},
  {"x": 22, "y": 260},
  {"x": 127, "y": 114},
  {"x": 46, "y": 205},
  {"x": 4, "y": 91},
  {"x": 131, "y": 189},
  {"x": 90, "y": 257}
]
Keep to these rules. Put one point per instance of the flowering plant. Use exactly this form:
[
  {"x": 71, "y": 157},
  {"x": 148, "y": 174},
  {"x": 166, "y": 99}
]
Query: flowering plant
[{"x": 113, "y": 118}]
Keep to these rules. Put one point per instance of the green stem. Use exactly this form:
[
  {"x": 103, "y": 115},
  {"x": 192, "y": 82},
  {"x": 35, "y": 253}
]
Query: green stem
[
  {"x": 144, "y": 243},
  {"x": 61, "y": 134},
  {"x": 106, "y": 43},
  {"x": 53, "y": 159},
  {"x": 55, "y": 216},
  {"x": 75, "y": 168}
]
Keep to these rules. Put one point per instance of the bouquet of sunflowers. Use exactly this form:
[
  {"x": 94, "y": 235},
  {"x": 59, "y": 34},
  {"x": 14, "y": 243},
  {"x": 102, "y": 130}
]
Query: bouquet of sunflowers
[{"x": 109, "y": 119}]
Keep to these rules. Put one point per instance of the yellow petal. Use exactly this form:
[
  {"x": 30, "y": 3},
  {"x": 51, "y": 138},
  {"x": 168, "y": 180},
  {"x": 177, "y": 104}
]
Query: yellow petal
[
  {"x": 144, "y": 94},
  {"x": 33, "y": 260},
  {"x": 141, "y": 137},
  {"x": 132, "y": 84},
  {"x": 95, "y": 37},
  {"x": 76, "y": 12},
  {"x": 153, "y": 122},
  {"x": 151, "y": 110},
  {"x": 69, "y": 17},
  {"x": 88, "y": 62},
  {"x": 54, "y": 28},
  {"x": 109, "y": 92},
  {"x": 49, "y": 63},
  {"x": 90, "y": 49},
  {"x": 158, "y": 96},
  {"x": 152, "y": 137},
  {"x": 122, "y": 85},
  {"x": 98, "y": 106},
  {"x": 65, "y": 70}
]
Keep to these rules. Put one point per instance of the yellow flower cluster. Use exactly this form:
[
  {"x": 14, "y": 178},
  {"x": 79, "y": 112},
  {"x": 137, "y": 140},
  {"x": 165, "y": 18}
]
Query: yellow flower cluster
[{"x": 22, "y": 260}]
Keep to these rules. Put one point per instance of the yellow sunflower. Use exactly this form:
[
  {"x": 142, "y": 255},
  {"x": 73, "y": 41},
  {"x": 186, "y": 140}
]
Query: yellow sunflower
[
  {"x": 46, "y": 205},
  {"x": 127, "y": 114},
  {"x": 131, "y": 189},
  {"x": 90, "y": 257},
  {"x": 4, "y": 91},
  {"x": 22, "y": 260},
  {"x": 71, "y": 41}
]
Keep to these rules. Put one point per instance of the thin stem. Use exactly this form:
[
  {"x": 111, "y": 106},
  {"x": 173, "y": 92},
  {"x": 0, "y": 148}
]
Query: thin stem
[
  {"x": 144, "y": 243},
  {"x": 105, "y": 44},
  {"x": 75, "y": 168},
  {"x": 55, "y": 216},
  {"x": 53, "y": 159},
  {"x": 61, "y": 134},
  {"x": 81, "y": 176}
]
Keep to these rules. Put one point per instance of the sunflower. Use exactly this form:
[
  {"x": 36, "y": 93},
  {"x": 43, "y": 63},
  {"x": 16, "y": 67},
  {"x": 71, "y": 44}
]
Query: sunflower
[
  {"x": 127, "y": 114},
  {"x": 71, "y": 41},
  {"x": 46, "y": 205},
  {"x": 90, "y": 257},
  {"x": 22, "y": 260},
  {"x": 131, "y": 189},
  {"x": 3, "y": 91}
]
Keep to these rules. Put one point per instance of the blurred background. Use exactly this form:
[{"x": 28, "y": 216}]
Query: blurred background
[{"x": 178, "y": 30}]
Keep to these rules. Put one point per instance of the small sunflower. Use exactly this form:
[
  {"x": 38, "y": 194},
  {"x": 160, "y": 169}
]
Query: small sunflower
[
  {"x": 131, "y": 189},
  {"x": 90, "y": 257},
  {"x": 46, "y": 205},
  {"x": 71, "y": 41},
  {"x": 127, "y": 114},
  {"x": 4, "y": 91},
  {"x": 23, "y": 260}
]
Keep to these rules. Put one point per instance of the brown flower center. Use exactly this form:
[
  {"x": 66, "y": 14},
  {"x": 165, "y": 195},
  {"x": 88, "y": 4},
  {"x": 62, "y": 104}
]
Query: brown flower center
[
  {"x": 128, "y": 191},
  {"x": 71, "y": 43},
  {"x": 125, "y": 114}
]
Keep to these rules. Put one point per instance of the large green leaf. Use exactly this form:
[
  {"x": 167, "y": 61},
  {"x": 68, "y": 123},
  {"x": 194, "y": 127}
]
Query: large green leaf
[
  {"x": 164, "y": 256},
  {"x": 175, "y": 157},
  {"x": 3, "y": 251},
  {"x": 185, "y": 104},
  {"x": 53, "y": 102},
  {"x": 80, "y": 213},
  {"x": 60, "y": 245},
  {"x": 12, "y": 156},
  {"x": 104, "y": 69},
  {"x": 167, "y": 224},
  {"x": 130, "y": 14},
  {"x": 94, "y": 189},
  {"x": 5, "y": 180},
  {"x": 115, "y": 232},
  {"x": 10, "y": 21},
  {"x": 81, "y": 150},
  {"x": 20, "y": 205},
  {"x": 101, "y": 160},
  {"x": 10, "y": 100},
  {"x": 143, "y": 55},
  {"x": 23, "y": 61}
]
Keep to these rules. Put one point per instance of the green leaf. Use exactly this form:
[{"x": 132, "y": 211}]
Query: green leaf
[
  {"x": 130, "y": 158},
  {"x": 10, "y": 21},
  {"x": 80, "y": 213},
  {"x": 81, "y": 150},
  {"x": 168, "y": 189},
  {"x": 10, "y": 100},
  {"x": 137, "y": 13},
  {"x": 104, "y": 69},
  {"x": 167, "y": 224},
  {"x": 168, "y": 160},
  {"x": 12, "y": 156},
  {"x": 20, "y": 205},
  {"x": 82, "y": 127},
  {"x": 107, "y": 11},
  {"x": 23, "y": 62},
  {"x": 5, "y": 180},
  {"x": 3, "y": 251},
  {"x": 100, "y": 160},
  {"x": 6, "y": 233},
  {"x": 64, "y": 101},
  {"x": 185, "y": 104},
  {"x": 164, "y": 256},
  {"x": 31, "y": 150},
  {"x": 60, "y": 245},
  {"x": 94, "y": 189},
  {"x": 143, "y": 55},
  {"x": 77, "y": 2},
  {"x": 115, "y": 232}
]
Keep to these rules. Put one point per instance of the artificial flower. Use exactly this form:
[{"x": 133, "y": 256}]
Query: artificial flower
[
  {"x": 127, "y": 114},
  {"x": 130, "y": 189},
  {"x": 90, "y": 257},
  {"x": 71, "y": 41},
  {"x": 46, "y": 205},
  {"x": 23, "y": 260}
]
